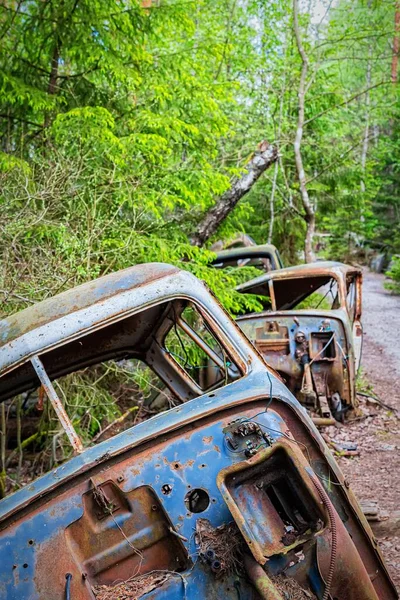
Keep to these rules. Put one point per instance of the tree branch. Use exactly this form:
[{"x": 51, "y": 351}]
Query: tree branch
[
  {"x": 307, "y": 205},
  {"x": 338, "y": 160},
  {"x": 6, "y": 116},
  {"x": 365, "y": 91},
  {"x": 265, "y": 156}
]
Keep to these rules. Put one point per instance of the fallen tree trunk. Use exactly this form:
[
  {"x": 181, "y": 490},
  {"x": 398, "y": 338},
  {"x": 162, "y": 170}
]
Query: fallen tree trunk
[{"x": 262, "y": 159}]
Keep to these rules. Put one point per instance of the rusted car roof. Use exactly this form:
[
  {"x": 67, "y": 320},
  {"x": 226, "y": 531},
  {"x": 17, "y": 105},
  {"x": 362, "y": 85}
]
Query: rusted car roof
[
  {"x": 310, "y": 269},
  {"x": 89, "y": 306},
  {"x": 80, "y": 297},
  {"x": 293, "y": 284}
]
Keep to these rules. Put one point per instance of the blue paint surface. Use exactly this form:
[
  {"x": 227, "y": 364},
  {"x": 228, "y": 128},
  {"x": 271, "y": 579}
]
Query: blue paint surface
[{"x": 206, "y": 448}]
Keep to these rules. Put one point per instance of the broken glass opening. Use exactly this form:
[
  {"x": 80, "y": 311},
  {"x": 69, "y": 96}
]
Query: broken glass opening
[{"x": 107, "y": 381}]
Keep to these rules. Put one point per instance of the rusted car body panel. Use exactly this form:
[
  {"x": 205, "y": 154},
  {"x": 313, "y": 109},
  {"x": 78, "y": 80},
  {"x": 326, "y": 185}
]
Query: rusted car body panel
[
  {"x": 326, "y": 344},
  {"x": 245, "y": 453},
  {"x": 265, "y": 256}
]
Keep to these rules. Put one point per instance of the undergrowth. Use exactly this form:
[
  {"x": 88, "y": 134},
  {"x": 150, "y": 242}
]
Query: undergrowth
[{"x": 394, "y": 274}]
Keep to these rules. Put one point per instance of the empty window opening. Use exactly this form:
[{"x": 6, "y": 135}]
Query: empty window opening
[{"x": 194, "y": 347}]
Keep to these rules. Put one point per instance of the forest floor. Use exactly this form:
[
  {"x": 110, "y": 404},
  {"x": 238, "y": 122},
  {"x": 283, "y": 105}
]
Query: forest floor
[{"x": 374, "y": 475}]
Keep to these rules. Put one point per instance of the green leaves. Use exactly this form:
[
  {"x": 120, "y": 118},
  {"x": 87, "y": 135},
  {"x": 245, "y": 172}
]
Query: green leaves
[
  {"x": 394, "y": 274},
  {"x": 120, "y": 126},
  {"x": 88, "y": 130}
]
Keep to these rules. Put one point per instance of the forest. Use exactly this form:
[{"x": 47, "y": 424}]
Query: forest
[
  {"x": 122, "y": 125},
  {"x": 145, "y": 131},
  {"x": 162, "y": 131}
]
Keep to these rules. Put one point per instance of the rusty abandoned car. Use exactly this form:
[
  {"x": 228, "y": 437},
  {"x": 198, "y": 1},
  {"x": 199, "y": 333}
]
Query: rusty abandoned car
[
  {"x": 311, "y": 333},
  {"x": 265, "y": 257},
  {"x": 232, "y": 493}
]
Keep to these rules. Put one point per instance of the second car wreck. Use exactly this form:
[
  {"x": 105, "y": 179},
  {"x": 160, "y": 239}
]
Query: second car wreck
[
  {"x": 265, "y": 257},
  {"x": 311, "y": 333},
  {"x": 230, "y": 494}
]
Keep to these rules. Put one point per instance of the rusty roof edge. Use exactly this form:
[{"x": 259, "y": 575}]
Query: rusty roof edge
[
  {"x": 336, "y": 313},
  {"x": 82, "y": 296},
  {"x": 100, "y": 314},
  {"x": 310, "y": 270}
]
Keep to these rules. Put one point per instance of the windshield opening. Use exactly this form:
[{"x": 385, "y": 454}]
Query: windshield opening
[
  {"x": 264, "y": 264},
  {"x": 104, "y": 383},
  {"x": 324, "y": 297},
  {"x": 316, "y": 292}
]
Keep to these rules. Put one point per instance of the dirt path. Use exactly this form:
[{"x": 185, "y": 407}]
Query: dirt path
[
  {"x": 381, "y": 322},
  {"x": 375, "y": 473}
]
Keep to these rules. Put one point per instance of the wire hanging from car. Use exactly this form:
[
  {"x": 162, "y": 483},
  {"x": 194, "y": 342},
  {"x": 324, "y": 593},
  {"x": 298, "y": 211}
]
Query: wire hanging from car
[
  {"x": 290, "y": 439},
  {"x": 68, "y": 577},
  {"x": 270, "y": 391}
]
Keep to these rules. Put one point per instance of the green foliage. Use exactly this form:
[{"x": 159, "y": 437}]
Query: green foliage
[
  {"x": 71, "y": 222},
  {"x": 315, "y": 300},
  {"x": 394, "y": 274},
  {"x": 112, "y": 135},
  {"x": 100, "y": 401},
  {"x": 362, "y": 383},
  {"x": 356, "y": 197},
  {"x": 120, "y": 127}
]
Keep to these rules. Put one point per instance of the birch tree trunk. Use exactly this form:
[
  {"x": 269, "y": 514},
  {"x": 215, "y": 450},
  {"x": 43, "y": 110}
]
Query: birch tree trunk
[
  {"x": 260, "y": 162},
  {"x": 364, "y": 151},
  {"x": 309, "y": 212},
  {"x": 272, "y": 204},
  {"x": 276, "y": 167}
]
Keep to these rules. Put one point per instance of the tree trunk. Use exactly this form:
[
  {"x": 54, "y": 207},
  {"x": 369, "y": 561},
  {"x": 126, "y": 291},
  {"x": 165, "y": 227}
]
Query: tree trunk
[
  {"x": 308, "y": 244},
  {"x": 364, "y": 152},
  {"x": 272, "y": 204},
  {"x": 307, "y": 205},
  {"x": 276, "y": 168},
  {"x": 52, "y": 87},
  {"x": 262, "y": 159}
]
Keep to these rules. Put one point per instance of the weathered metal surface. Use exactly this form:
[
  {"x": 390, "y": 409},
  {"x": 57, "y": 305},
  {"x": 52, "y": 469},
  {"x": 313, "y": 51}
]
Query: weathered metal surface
[
  {"x": 260, "y": 580},
  {"x": 69, "y": 524},
  {"x": 68, "y": 316},
  {"x": 242, "y": 240},
  {"x": 252, "y": 489},
  {"x": 83, "y": 296},
  {"x": 147, "y": 543},
  {"x": 351, "y": 579},
  {"x": 331, "y": 268},
  {"x": 330, "y": 374},
  {"x": 129, "y": 506},
  {"x": 317, "y": 352},
  {"x": 267, "y": 255},
  {"x": 61, "y": 413}
]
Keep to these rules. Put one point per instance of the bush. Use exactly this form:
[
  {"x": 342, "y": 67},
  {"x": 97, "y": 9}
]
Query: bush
[{"x": 394, "y": 274}]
